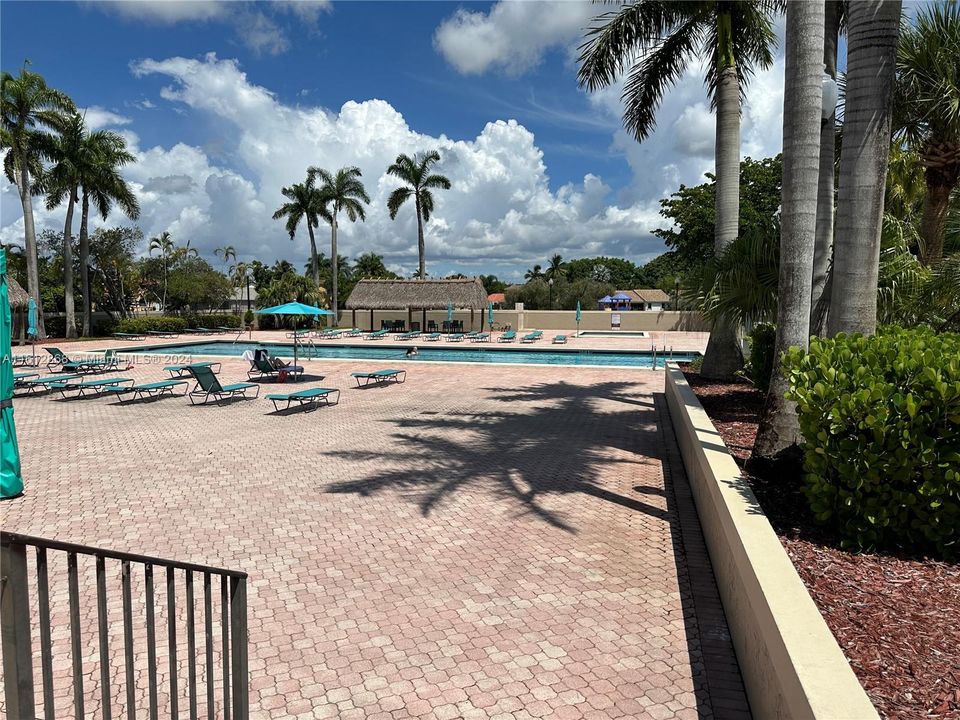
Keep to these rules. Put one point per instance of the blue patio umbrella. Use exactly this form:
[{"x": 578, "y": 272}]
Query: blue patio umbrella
[
  {"x": 32, "y": 324},
  {"x": 294, "y": 308},
  {"x": 578, "y": 318},
  {"x": 490, "y": 314},
  {"x": 11, "y": 482},
  {"x": 605, "y": 300}
]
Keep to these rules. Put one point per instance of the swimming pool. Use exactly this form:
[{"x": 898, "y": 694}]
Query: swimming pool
[{"x": 471, "y": 353}]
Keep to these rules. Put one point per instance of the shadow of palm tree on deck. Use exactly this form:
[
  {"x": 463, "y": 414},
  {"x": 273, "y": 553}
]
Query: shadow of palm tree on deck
[{"x": 553, "y": 439}]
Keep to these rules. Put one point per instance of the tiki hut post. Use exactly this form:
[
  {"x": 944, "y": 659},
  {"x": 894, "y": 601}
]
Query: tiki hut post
[{"x": 19, "y": 299}]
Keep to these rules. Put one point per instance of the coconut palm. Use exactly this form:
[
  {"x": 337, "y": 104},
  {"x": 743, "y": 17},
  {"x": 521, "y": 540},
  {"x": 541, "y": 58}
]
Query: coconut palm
[
  {"x": 779, "y": 427},
  {"x": 305, "y": 204},
  {"x": 61, "y": 183},
  {"x": 823, "y": 244},
  {"x": 343, "y": 191},
  {"x": 164, "y": 244},
  {"x": 534, "y": 273},
  {"x": 103, "y": 185},
  {"x": 928, "y": 111},
  {"x": 226, "y": 253},
  {"x": 872, "y": 29},
  {"x": 29, "y": 107},
  {"x": 556, "y": 268},
  {"x": 654, "y": 42},
  {"x": 415, "y": 172}
]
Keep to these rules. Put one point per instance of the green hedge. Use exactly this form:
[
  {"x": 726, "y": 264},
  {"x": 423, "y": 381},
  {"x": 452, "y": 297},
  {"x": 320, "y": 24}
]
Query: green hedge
[
  {"x": 194, "y": 320},
  {"x": 880, "y": 418},
  {"x": 763, "y": 341},
  {"x": 56, "y": 327},
  {"x": 157, "y": 323}
]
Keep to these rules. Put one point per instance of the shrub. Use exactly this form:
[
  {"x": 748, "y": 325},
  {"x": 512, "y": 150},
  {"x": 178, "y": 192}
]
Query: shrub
[
  {"x": 210, "y": 320},
  {"x": 880, "y": 417},
  {"x": 763, "y": 341},
  {"x": 157, "y": 323},
  {"x": 248, "y": 317}
]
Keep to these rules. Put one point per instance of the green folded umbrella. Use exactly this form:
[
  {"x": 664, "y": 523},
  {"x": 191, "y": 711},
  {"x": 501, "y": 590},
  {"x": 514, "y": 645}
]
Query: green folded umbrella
[{"x": 11, "y": 482}]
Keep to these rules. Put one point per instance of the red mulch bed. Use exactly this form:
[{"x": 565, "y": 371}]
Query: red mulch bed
[{"x": 896, "y": 618}]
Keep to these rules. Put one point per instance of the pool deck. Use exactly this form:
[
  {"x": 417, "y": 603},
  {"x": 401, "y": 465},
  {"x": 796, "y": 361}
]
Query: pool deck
[{"x": 491, "y": 541}]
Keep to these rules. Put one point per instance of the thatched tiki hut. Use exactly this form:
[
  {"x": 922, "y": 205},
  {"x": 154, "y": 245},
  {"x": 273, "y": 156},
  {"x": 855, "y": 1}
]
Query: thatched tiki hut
[
  {"x": 19, "y": 300},
  {"x": 419, "y": 295}
]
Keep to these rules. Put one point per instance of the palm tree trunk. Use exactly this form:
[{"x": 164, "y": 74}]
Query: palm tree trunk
[
  {"x": 335, "y": 271},
  {"x": 823, "y": 248},
  {"x": 941, "y": 180},
  {"x": 84, "y": 262},
  {"x": 71, "y": 319},
  {"x": 30, "y": 245},
  {"x": 314, "y": 261},
  {"x": 779, "y": 428},
  {"x": 421, "y": 248},
  {"x": 165, "y": 263},
  {"x": 872, "y": 30},
  {"x": 724, "y": 356}
]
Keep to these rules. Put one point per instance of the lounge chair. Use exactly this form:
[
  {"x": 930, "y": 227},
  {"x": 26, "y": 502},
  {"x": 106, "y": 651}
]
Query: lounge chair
[
  {"x": 96, "y": 386},
  {"x": 178, "y": 371},
  {"x": 432, "y": 337},
  {"x": 20, "y": 377},
  {"x": 43, "y": 384},
  {"x": 298, "y": 334},
  {"x": 330, "y": 334},
  {"x": 163, "y": 333},
  {"x": 456, "y": 337},
  {"x": 353, "y": 332},
  {"x": 377, "y": 335},
  {"x": 559, "y": 339},
  {"x": 508, "y": 336},
  {"x": 228, "y": 330},
  {"x": 480, "y": 337},
  {"x": 379, "y": 377},
  {"x": 25, "y": 360},
  {"x": 471, "y": 335},
  {"x": 413, "y": 334},
  {"x": 130, "y": 336},
  {"x": 308, "y": 396},
  {"x": 532, "y": 337},
  {"x": 208, "y": 386},
  {"x": 148, "y": 390},
  {"x": 262, "y": 368},
  {"x": 199, "y": 331},
  {"x": 58, "y": 358}
]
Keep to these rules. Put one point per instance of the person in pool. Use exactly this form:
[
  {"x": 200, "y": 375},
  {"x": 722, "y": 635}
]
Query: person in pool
[{"x": 412, "y": 352}]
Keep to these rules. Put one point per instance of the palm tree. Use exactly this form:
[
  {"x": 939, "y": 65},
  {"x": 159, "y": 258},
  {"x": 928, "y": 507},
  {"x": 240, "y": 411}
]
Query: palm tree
[
  {"x": 61, "y": 182},
  {"x": 102, "y": 183},
  {"x": 534, "y": 273},
  {"x": 305, "y": 203},
  {"x": 779, "y": 427},
  {"x": 226, "y": 253},
  {"x": 928, "y": 111},
  {"x": 29, "y": 107},
  {"x": 872, "y": 29},
  {"x": 557, "y": 268},
  {"x": 415, "y": 172},
  {"x": 823, "y": 244},
  {"x": 164, "y": 243},
  {"x": 343, "y": 191},
  {"x": 654, "y": 42}
]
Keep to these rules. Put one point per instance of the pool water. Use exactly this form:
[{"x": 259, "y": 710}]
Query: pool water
[{"x": 475, "y": 353}]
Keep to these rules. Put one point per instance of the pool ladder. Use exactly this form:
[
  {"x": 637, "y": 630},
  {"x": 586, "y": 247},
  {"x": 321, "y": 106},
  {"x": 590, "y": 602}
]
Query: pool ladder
[{"x": 666, "y": 358}]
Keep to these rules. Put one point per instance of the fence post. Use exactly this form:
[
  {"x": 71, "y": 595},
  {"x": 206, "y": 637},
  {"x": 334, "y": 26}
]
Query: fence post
[
  {"x": 238, "y": 629},
  {"x": 15, "y": 629}
]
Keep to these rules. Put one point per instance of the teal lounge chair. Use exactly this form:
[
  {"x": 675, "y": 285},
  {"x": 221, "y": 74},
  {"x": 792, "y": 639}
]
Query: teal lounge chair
[
  {"x": 26, "y": 360},
  {"x": 199, "y": 331},
  {"x": 456, "y": 337},
  {"x": 163, "y": 333},
  {"x": 299, "y": 334},
  {"x": 84, "y": 388},
  {"x": 432, "y": 337},
  {"x": 379, "y": 377},
  {"x": 153, "y": 390},
  {"x": 532, "y": 337},
  {"x": 59, "y": 358},
  {"x": 311, "y": 397},
  {"x": 508, "y": 336},
  {"x": 480, "y": 337},
  {"x": 330, "y": 334},
  {"x": 353, "y": 332},
  {"x": 262, "y": 368},
  {"x": 559, "y": 339},
  {"x": 412, "y": 335},
  {"x": 377, "y": 335},
  {"x": 129, "y": 336},
  {"x": 209, "y": 387},
  {"x": 44, "y": 384},
  {"x": 179, "y": 371},
  {"x": 20, "y": 377}
]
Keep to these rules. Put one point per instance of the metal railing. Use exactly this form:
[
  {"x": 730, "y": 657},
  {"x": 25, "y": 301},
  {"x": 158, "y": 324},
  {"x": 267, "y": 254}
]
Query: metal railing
[{"x": 18, "y": 650}]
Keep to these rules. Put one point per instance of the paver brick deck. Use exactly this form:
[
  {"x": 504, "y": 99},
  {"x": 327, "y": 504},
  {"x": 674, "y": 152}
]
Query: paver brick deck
[{"x": 494, "y": 541}]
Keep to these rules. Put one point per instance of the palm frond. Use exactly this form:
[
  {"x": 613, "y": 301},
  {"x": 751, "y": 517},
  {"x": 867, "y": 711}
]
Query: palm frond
[{"x": 397, "y": 198}]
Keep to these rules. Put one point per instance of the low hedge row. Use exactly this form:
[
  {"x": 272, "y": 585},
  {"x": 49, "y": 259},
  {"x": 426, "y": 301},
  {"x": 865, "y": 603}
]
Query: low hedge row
[
  {"x": 158, "y": 323},
  {"x": 880, "y": 417}
]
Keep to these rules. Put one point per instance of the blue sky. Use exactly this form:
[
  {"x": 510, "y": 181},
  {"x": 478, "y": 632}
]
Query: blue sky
[{"x": 228, "y": 102}]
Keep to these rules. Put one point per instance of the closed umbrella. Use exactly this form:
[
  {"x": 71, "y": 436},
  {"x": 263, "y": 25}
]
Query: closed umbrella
[
  {"x": 11, "y": 482},
  {"x": 490, "y": 314},
  {"x": 578, "y": 318},
  {"x": 294, "y": 308},
  {"x": 32, "y": 324},
  {"x": 450, "y": 317}
]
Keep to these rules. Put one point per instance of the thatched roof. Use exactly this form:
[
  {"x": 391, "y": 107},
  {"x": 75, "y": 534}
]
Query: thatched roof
[
  {"x": 17, "y": 295},
  {"x": 417, "y": 294},
  {"x": 647, "y": 295}
]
